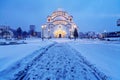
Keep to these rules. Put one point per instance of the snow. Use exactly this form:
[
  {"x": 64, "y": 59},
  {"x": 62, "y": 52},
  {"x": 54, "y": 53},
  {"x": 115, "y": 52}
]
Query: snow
[
  {"x": 45, "y": 59},
  {"x": 9, "y": 54},
  {"x": 61, "y": 40},
  {"x": 105, "y": 55}
]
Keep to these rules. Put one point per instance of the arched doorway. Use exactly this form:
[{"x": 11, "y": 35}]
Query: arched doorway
[{"x": 60, "y": 33}]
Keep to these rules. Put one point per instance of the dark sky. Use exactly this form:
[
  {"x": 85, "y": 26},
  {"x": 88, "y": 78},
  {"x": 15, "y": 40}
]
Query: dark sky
[{"x": 89, "y": 15}]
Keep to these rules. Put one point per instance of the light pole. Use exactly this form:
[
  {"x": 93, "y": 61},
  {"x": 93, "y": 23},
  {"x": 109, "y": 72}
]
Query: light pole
[
  {"x": 43, "y": 32},
  {"x": 105, "y": 33},
  {"x": 43, "y": 28},
  {"x": 48, "y": 33}
]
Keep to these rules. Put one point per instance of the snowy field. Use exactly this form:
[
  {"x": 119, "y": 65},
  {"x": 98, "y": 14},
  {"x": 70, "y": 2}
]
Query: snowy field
[
  {"x": 104, "y": 55},
  {"x": 9, "y": 54},
  {"x": 62, "y": 59}
]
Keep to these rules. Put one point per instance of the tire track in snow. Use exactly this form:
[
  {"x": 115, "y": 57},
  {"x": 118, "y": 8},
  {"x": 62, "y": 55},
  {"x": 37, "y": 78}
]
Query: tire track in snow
[
  {"x": 22, "y": 75},
  {"x": 59, "y": 62},
  {"x": 99, "y": 75}
]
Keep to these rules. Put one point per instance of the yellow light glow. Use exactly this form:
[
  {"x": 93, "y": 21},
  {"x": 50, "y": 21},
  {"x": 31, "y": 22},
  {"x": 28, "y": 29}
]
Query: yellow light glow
[{"x": 59, "y": 32}]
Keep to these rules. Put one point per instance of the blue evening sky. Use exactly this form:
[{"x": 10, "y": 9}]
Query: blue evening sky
[{"x": 89, "y": 15}]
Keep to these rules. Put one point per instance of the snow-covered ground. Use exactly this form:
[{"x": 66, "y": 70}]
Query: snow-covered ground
[
  {"x": 9, "y": 54},
  {"x": 60, "y": 59},
  {"x": 105, "y": 55}
]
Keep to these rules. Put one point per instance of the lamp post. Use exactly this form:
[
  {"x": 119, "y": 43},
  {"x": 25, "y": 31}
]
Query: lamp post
[
  {"x": 43, "y": 27},
  {"x": 42, "y": 33},
  {"x": 48, "y": 33},
  {"x": 105, "y": 33}
]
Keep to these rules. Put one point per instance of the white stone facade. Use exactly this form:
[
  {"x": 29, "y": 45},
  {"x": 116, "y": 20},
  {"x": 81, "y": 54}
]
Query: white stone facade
[{"x": 59, "y": 25}]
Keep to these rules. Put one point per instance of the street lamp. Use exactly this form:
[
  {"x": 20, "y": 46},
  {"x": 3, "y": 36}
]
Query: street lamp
[
  {"x": 42, "y": 33},
  {"x": 105, "y": 33},
  {"x": 43, "y": 27},
  {"x": 74, "y": 26},
  {"x": 48, "y": 33}
]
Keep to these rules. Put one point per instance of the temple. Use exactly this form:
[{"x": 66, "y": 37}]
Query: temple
[{"x": 59, "y": 25}]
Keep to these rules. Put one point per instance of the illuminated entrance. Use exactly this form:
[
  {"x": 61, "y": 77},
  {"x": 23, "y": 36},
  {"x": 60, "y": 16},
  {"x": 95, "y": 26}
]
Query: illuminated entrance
[{"x": 60, "y": 33}]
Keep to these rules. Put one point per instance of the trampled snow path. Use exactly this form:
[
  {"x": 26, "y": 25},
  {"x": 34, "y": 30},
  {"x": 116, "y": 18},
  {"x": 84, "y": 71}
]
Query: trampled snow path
[{"x": 59, "y": 62}]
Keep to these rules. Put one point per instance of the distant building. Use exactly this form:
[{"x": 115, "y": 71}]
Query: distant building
[
  {"x": 81, "y": 35},
  {"x": 32, "y": 27},
  {"x": 38, "y": 34},
  {"x": 32, "y": 31},
  {"x": 6, "y": 32},
  {"x": 111, "y": 34},
  {"x": 59, "y": 25}
]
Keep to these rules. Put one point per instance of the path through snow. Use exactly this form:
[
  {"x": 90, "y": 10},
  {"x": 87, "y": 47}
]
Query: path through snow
[{"x": 60, "y": 62}]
